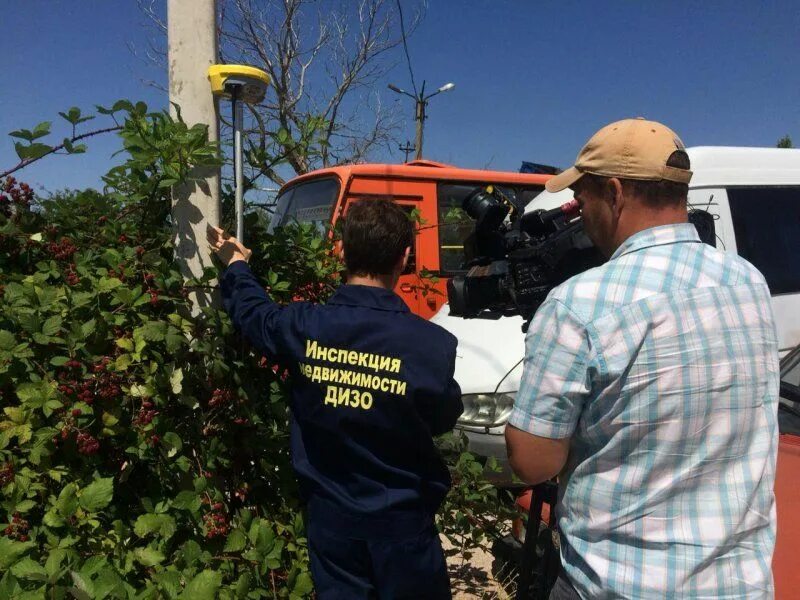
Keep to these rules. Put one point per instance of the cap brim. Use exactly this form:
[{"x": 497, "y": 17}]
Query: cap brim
[{"x": 563, "y": 180}]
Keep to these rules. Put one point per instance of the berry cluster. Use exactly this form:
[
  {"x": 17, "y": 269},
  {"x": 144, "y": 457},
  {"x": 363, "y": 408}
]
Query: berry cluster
[
  {"x": 216, "y": 521},
  {"x": 87, "y": 444},
  {"x": 18, "y": 528},
  {"x": 63, "y": 249},
  {"x": 72, "y": 278},
  {"x": 220, "y": 397},
  {"x": 119, "y": 272},
  {"x": 149, "y": 278},
  {"x": 104, "y": 384},
  {"x": 146, "y": 414},
  {"x": 13, "y": 192},
  {"x": 6, "y": 474}
]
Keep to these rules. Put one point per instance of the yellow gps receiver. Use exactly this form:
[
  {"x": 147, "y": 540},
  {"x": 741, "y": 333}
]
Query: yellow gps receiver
[{"x": 243, "y": 82}]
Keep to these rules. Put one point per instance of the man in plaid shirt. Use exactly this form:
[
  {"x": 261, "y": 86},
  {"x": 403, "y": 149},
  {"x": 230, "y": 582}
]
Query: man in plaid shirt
[{"x": 651, "y": 385}]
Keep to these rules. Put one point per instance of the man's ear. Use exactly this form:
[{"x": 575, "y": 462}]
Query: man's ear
[
  {"x": 615, "y": 196},
  {"x": 406, "y": 254}
]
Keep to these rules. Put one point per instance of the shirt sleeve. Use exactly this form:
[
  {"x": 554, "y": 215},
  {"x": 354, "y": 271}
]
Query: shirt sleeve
[
  {"x": 252, "y": 311},
  {"x": 439, "y": 403},
  {"x": 450, "y": 407},
  {"x": 556, "y": 376}
]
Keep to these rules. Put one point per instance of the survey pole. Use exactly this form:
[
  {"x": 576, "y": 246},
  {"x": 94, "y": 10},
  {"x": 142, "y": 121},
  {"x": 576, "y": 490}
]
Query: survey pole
[
  {"x": 192, "y": 48},
  {"x": 238, "y": 161}
]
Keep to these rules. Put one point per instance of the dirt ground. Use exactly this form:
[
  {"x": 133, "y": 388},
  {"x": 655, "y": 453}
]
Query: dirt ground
[{"x": 472, "y": 578}]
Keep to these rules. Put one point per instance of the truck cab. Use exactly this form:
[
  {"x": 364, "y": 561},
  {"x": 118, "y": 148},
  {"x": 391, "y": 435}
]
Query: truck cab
[{"x": 432, "y": 192}]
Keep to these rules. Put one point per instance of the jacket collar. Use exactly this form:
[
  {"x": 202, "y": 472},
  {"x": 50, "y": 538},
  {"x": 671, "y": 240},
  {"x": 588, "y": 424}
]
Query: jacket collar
[
  {"x": 368, "y": 297},
  {"x": 658, "y": 236}
]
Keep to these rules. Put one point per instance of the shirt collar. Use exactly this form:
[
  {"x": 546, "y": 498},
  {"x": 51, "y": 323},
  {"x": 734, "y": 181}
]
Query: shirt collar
[
  {"x": 658, "y": 236},
  {"x": 368, "y": 297}
]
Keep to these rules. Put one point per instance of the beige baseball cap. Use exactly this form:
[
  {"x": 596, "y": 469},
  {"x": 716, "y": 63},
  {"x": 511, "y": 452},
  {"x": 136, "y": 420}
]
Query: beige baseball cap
[{"x": 630, "y": 149}]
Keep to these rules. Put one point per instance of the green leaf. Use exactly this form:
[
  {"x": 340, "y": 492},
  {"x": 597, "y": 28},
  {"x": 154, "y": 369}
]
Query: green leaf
[
  {"x": 163, "y": 525},
  {"x": 125, "y": 343},
  {"x": 173, "y": 442},
  {"x": 7, "y": 340},
  {"x": 203, "y": 587},
  {"x": 36, "y": 394},
  {"x": 152, "y": 331},
  {"x": 107, "y": 581},
  {"x": 23, "y": 134},
  {"x": 123, "y": 362},
  {"x": 59, "y": 361},
  {"x": 303, "y": 584},
  {"x": 88, "y": 327},
  {"x": 10, "y": 551},
  {"x": 24, "y": 506},
  {"x": 53, "y": 564},
  {"x": 107, "y": 284},
  {"x": 187, "y": 501},
  {"x": 97, "y": 494},
  {"x": 149, "y": 557},
  {"x": 67, "y": 502},
  {"x": 83, "y": 587},
  {"x": 52, "y": 519},
  {"x": 243, "y": 585},
  {"x": 42, "y": 129},
  {"x": 52, "y": 326},
  {"x": 175, "y": 380},
  {"x": 236, "y": 541},
  {"x": 31, "y": 151},
  {"x": 73, "y": 115},
  {"x": 17, "y": 414},
  {"x": 29, "y": 569}
]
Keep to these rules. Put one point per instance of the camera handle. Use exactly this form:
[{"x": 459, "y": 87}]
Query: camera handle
[{"x": 537, "y": 574}]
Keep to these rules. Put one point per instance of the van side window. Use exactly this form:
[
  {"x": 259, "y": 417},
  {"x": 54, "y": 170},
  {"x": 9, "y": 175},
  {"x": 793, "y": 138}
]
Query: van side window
[
  {"x": 310, "y": 202},
  {"x": 766, "y": 221},
  {"x": 411, "y": 265},
  {"x": 455, "y": 225}
]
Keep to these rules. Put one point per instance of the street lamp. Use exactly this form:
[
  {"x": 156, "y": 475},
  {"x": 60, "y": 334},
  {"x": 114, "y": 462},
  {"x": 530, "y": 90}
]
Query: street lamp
[{"x": 421, "y": 101}]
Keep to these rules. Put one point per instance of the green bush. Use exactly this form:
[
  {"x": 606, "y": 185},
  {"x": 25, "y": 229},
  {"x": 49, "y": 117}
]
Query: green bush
[{"x": 144, "y": 449}]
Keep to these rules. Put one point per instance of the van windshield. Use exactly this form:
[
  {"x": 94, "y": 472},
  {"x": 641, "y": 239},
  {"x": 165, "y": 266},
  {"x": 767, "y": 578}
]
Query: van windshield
[
  {"x": 455, "y": 225},
  {"x": 310, "y": 202}
]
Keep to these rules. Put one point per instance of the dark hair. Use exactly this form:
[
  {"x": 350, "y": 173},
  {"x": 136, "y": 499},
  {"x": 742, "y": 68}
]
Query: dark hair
[
  {"x": 375, "y": 234},
  {"x": 654, "y": 193}
]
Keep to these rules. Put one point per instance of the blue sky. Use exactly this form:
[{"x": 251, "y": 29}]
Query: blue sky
[{"x": 533, "y": 79}]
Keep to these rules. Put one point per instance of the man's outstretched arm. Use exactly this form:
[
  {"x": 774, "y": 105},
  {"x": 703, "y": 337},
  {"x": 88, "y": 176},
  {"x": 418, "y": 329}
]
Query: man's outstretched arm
[{"x": 252, "y": 311}]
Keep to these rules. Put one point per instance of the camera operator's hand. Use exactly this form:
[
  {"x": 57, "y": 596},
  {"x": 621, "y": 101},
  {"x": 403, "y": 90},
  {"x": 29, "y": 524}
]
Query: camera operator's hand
[{"x": 227, "y": 248}]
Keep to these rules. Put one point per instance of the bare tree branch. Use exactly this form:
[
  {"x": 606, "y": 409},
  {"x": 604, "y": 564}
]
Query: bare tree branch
[{"x": 324, "y": 63}]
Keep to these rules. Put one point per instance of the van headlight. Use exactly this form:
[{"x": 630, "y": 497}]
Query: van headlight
[{"x": 486, "y": 410}]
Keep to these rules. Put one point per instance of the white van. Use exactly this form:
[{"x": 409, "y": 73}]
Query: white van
[{"x": 754, "y": 196}]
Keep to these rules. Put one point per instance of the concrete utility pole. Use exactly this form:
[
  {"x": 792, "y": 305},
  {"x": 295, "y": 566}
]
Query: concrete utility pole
[
  {"x": 421, "y": 103},
  {"x": 192, "y": 48}
]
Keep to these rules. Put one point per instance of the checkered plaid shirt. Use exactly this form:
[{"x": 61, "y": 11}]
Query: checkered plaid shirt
[{"x": 662, "y": 366}]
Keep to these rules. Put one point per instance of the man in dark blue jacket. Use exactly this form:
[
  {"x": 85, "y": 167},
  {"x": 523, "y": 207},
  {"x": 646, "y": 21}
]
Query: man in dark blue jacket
[{"x": 371, "y": 385}]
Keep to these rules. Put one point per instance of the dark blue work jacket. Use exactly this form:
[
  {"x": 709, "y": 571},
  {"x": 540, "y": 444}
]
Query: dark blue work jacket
[{"x": 371, "y": 384}]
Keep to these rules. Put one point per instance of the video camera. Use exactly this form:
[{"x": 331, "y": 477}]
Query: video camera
[{"x": 514, "y": 263}]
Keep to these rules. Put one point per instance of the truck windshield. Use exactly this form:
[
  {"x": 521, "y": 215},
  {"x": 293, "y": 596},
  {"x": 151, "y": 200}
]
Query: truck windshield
[{"x": 310, "y": 202}]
